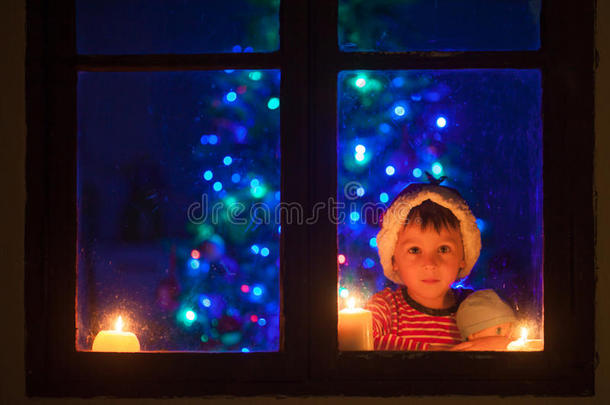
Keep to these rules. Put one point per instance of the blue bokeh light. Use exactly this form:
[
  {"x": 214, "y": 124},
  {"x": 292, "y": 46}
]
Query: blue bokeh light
[
  {"x": 441, "y": 122},
  {"x": 231, "y": 96},
  {"x": 398, "y": 81},
  {"x": 368, "y": 263},
  {"x": 373, "y": 242},
  {"x": 240, "y": 133},
  {"x": 481, "y": 224},
  {"x": 437, "y": 168},
  {"x": 273, "y": 103},
  {"x": 204, "y": 266}
]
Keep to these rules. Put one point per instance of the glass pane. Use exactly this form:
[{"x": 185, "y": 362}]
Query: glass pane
[
  {"x": 167, "y": 26},
  {"x": 480, "y": 130},
  {"x": 170, "y": 165},
  {"x": 441, "y": 25}
]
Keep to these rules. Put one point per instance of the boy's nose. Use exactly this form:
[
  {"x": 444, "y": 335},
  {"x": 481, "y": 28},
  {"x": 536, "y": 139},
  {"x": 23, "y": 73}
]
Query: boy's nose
[
  {"x": 429, "y": 267},
  {"x": 429, "y": 261}
]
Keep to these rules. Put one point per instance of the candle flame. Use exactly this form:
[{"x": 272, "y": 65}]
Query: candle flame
[
  {"x": 351, "y": 303},
  {"x": 523, "y": 334},
  {"x": 522, "y": 340},
  {"x": 523, "y": 343},
  {"x": 118, "y": 326}
]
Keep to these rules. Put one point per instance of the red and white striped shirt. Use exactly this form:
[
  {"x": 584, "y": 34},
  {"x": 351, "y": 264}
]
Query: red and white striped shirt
[{"x": 400, "y": 323}]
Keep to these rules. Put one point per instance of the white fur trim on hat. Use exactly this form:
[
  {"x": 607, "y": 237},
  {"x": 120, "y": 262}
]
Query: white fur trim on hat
[{"x": 412, "y": 196}]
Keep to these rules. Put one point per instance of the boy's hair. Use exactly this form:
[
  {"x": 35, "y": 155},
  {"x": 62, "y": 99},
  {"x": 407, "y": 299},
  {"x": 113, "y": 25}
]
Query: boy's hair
[{"x": 430, "y": 213}]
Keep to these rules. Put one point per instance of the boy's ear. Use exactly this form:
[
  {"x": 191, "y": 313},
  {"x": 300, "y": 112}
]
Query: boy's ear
[{"x": 393, "y": 263}]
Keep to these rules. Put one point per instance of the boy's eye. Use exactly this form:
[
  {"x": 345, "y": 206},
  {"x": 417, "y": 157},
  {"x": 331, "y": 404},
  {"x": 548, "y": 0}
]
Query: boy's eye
[
  {"x": 413, "y": 250},
  {"x": 444, "y": 249}
]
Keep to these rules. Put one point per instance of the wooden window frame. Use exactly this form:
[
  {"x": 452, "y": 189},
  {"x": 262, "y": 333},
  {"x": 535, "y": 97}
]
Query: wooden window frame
[{"x": 309, "y": 362}]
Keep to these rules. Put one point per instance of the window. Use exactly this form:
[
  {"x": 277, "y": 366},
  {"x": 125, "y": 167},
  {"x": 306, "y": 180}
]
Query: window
[
  {"x": 68, "y": 74},
  {"x": 170, "y": 161},
  {"x": 439, "y": 25},
  {"x": 480, "y": 130}
]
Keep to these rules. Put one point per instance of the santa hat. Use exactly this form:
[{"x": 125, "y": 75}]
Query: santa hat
[{"x": 412, "y": 196}]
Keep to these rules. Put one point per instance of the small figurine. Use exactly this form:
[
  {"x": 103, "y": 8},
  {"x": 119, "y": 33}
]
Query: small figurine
[{"x": 484, "y": 314}]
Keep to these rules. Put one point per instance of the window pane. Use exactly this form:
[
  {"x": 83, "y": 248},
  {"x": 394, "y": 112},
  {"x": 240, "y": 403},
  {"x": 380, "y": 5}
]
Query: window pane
[
  {"x": 167, "y": 26},
  {"x": 482, "y": 130},
  {"x": 442, "y": 25},
  {"x": 170, "y": 165}
]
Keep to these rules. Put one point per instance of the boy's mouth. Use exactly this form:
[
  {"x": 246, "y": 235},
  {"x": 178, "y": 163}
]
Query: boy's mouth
[{"x": 430, "y": 281}]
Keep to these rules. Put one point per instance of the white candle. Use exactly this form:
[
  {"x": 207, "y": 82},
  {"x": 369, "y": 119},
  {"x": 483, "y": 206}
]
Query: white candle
[
  {"x": 116, "y": 340},
  {"x": 523, "y": 344},
  {"x": 355, "y": 329}
]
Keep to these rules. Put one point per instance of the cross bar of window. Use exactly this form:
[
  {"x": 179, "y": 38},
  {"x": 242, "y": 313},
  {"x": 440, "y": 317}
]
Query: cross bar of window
[
  {"x": 439, "y": 60},
  {"x": 146, "y": 63}
]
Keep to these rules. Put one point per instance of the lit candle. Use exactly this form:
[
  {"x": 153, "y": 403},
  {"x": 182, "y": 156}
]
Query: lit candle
[
  {"x": 116, "y": 340},
  {"x": 355, "y": 328},
  {"x": 523, "y": 344}
]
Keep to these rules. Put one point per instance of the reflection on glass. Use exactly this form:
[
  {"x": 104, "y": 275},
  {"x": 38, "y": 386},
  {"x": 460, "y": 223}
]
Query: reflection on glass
[
  {"x": 480, "y": 132},
  {"x": 442, "y": 25},
  {"x": 187, "y": 26},
  {"x": 170, "y": 165}
]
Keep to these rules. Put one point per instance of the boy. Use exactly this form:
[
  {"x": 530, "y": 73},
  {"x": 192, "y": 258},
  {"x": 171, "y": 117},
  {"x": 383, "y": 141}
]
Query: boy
[{"x": 429, "y": 238}]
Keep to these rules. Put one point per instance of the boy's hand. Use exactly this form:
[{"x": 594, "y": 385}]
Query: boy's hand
[{"x": 484, "y": 344}]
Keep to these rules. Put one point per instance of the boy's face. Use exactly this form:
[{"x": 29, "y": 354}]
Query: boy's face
[{"x": 428, "y": 262}]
